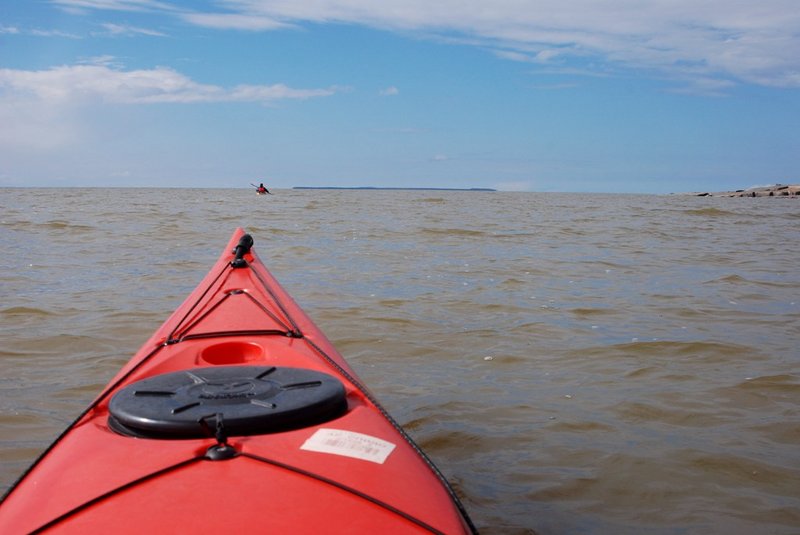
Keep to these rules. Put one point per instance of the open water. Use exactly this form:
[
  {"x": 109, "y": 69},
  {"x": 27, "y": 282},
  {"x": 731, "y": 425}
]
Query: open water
[{"x": 590, "y": 364}]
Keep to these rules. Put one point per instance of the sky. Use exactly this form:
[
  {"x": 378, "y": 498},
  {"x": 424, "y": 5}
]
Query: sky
[{"x": 618, "y": 96}]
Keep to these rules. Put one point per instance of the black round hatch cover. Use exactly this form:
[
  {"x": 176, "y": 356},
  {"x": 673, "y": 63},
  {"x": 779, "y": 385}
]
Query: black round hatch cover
[{"x": 250, "y": 400}]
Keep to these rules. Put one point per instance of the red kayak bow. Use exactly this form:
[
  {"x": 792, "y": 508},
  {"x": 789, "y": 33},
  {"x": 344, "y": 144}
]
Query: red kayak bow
[{"x": 238, "y": 415}]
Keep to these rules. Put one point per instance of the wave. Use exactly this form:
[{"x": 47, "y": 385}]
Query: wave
[
  {"x": 782, "y": 383},
  {"x": 636, "y": 411},
  {"x": 58, "y": 224},
  {"x": 709, "y": 212},
  {"x": 453, "y": 232},
  {"x": 739, "y": 280},
  {"x": 584, "y": 312},
  {"x": 25, "y": 311},
  {"x": 698, "y": 351}
]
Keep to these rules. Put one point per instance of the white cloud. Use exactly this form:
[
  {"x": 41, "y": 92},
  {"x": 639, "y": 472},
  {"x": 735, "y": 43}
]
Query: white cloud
[
  {"x": 234, "y": 21},
  {"x": 712, "y": 87},
  {"x": 755, "y": 42},
  {"x": 106, "y": 59},
  {"x": 390, "y": 91},
  {"x": 749, "y": 41},
  {"x": 13, "y": 30},
  {"x": 77, "y": 84},
  {"x": 54, "y": 33},
  {"x": 114, "y": 5},
  {"x": 117, "y": 29},
  {"x": 265, "y": 93},
  {"x": 51, "y": 109},
  {"x": 440, "y": 158}
]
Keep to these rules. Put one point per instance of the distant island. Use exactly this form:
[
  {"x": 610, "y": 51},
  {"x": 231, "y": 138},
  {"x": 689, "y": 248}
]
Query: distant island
[{"x": 394, "y": 189}]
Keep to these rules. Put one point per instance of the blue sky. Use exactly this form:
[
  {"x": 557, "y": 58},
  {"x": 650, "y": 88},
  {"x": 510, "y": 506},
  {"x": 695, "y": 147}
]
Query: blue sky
[{"x": 650, "y": 96}]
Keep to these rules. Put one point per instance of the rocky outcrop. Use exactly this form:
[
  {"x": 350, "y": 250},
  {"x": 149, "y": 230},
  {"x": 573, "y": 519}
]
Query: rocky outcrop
[{"x": 778, "y": 190}]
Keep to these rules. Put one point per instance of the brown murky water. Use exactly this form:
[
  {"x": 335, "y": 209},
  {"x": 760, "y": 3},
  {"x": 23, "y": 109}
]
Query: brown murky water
[{"x": 574, "y": 364}]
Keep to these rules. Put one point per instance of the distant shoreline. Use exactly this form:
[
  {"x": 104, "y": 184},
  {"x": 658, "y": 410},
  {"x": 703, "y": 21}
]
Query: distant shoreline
[{"x": 393, "y": 189}]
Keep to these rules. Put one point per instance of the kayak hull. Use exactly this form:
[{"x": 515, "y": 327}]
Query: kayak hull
[{"x": 337, "y": 465}]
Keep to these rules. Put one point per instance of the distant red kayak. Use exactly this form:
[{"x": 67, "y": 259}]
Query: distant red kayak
[{"x": 238, "y": 415}]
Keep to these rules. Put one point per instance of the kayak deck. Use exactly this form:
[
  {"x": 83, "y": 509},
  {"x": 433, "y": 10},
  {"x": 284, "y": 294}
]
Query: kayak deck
[{"x": 237, "y": 414}]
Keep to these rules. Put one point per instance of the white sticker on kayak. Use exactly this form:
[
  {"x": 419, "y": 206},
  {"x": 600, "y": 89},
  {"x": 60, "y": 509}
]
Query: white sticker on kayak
[{"x": 349, "y": 444}]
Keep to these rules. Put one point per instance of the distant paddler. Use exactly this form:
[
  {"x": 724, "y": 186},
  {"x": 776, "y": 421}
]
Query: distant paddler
[{"x": 261, "y": 189}]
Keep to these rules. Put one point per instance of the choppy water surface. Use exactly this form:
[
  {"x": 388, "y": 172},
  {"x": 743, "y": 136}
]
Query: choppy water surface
[{"x": 574, "y": 364}]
